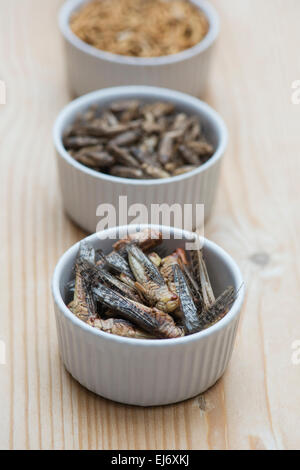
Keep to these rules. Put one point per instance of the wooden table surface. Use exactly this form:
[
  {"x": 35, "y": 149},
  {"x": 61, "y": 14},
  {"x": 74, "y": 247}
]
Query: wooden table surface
[{"x": 256, "y": 218}]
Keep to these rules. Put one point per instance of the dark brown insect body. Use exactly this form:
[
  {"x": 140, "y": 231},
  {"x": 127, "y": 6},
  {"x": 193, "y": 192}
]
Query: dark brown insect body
[
  {"x": 150, "y": 319},
  {"x": 189, "y": 310},
  {"x": 117, "y": 326},
  {"x": 218, "y": 309},
  {"x": 83, "y": 305},
  {"x": 150, "y": 282}
]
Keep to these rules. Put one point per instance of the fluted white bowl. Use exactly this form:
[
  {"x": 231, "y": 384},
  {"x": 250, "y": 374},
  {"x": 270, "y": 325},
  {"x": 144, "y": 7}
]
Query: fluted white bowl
[
  {"x": 84, "y": 189},
  {"x": 147, "y": 372},
  {"x": 91, "y": 69}
]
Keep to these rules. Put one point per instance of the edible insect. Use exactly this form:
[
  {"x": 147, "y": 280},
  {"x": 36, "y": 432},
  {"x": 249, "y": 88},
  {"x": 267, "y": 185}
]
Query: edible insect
[
  {"x": 189, "y": 156},
  {"x": 201, "y": 148},
  {"x": 166, "y": 146},
  {"x": 123, "y": 156},
  {"x": 149, "y": 167},
  {"x": 125, "y": 172},
  {"x": 183, "y": 169},
  {"x": 79, "y": 142},
  {"x": 117, "y": 326},
  {"x": 193, "y": 286},
  {"x": 114, "y": 261},
  {"x": 218, "y": 309},
  {"x": 150, "y": 319},
  {"x": 189, "y": 310},
  {"x": 202, "y": 277},
  {"x": 83, "y": 305},
  {"x": 124, "y": 106},
  {"x": 127, "y": 138},
  {"x": 146, "y": 239},
  {"x": 166, "y": 270},
  {"x": 150, "y": 282},
  {"x": 93, "y": 157},
  {"x": 94, "y": 275},
  {"x": 155, "y": 259}
]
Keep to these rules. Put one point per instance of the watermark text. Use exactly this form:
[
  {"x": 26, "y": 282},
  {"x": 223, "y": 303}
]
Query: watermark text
[
  {"x": 2, "y": 92},
  {"x": 295, "y": 96},
  {"x": 185, "y": 217},
  {"x": 296, "y": 352}
]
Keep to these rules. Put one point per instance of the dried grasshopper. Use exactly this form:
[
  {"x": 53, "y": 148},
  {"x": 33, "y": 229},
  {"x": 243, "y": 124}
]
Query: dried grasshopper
[
  {"x": 83, "y": 305},
  {"x": 150, "y": 319},
  {"x": 166, "y": 268},
  {"x": 115, "y": 262},
  {"x": 146, "y": 239},
  {"x": 202, "y": 277},
  {"x": 95, "y": 275},
  {"x": 120, "y": 327},
  {"x": 218, "y": 309},
  {"x": 188, "y": 308},
  {"x": 150, "y": 281}
]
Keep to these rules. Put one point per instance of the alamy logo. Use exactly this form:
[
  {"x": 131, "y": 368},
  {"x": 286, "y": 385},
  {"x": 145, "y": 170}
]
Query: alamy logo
[
  {"x": 296, "y": 353},
  {"x": 182, "y": 216},
  {"x": 2, "y": 92},
  {"x": 295, "y": 97},
  {"x": 2, "y": 353}
]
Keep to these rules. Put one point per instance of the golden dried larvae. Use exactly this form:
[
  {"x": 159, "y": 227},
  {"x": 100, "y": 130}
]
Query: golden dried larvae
[{"x": 140, "y": 28}]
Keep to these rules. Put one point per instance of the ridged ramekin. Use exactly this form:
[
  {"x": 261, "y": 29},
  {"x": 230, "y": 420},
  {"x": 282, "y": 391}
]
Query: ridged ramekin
[
  {"x": 148, "y": 372},
  {"x": 91, "y": 69},
  {"x": 84, "y": 189}
]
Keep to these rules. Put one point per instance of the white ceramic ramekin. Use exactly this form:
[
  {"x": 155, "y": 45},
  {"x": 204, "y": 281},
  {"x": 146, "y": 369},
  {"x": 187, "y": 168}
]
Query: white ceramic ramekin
[
  {"x": 83, "y": 189},
  {"x": 91, "y": 69},
  {"x": 148, "y": 372}
]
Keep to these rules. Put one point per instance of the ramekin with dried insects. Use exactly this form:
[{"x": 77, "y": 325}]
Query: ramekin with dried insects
[{"x": 140, "y": 140}]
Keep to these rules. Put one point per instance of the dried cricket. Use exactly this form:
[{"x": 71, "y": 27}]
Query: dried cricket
[
  {"x": 201, "y": 276},
  {"x": 150, "y": 319},
  {"x": 120, "y": 327},
  {"x": 94, "y": 275},
  {"x": 189, "y": 310},
  {"x": 83, "y": 304},
  {"x": 167, "y": 264},
  {"x": 114, "y": 261},
  {"x": 150, "y": 282},
  {"x": 146, "y": 239},
  {"x": 218, "y": 308}
]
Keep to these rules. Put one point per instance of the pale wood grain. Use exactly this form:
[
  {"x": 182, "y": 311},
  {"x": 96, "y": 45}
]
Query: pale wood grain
[{"x": 256, "y": 404}]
